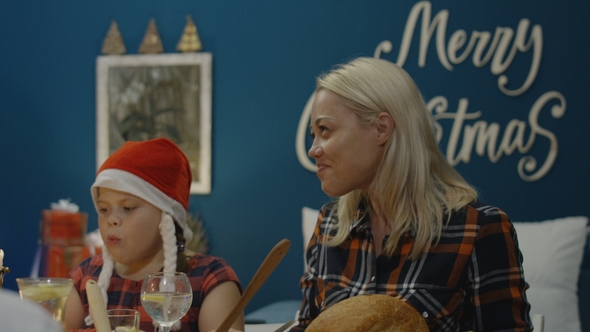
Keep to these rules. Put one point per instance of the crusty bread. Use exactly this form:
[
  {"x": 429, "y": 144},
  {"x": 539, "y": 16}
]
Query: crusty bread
[{"x": 364, "y": 313}]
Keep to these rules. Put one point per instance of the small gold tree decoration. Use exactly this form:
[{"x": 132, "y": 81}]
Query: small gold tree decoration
[
  {"x": 199, "y": 241},
  {"x": 113, "y": 42},
  {"x": 189, "y": 41},
  {"x": 152, "y": 43}
]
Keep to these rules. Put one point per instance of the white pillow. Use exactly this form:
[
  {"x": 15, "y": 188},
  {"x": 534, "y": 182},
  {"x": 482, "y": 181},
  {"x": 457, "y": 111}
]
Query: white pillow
[{"x": 553, "y": 252}]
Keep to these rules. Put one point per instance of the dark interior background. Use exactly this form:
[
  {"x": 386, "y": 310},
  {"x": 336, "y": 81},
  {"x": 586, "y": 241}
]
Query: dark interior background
[{"x": 266, "y": 55}]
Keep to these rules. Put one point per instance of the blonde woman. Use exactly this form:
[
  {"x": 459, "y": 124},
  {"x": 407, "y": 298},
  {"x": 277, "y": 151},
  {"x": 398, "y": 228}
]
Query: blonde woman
[{"x": 405, "y": 223}]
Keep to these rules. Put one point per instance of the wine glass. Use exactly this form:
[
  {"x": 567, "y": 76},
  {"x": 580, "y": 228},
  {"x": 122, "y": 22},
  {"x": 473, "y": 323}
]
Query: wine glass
[
  {"x": 166, "y": 297},
  {"x": 51, "y": 293}
]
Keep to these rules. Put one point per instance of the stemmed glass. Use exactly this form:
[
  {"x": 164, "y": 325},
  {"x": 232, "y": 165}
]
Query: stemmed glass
[
  {"x": 166, "y": 297},
  {"x": 51, "y": 293}
]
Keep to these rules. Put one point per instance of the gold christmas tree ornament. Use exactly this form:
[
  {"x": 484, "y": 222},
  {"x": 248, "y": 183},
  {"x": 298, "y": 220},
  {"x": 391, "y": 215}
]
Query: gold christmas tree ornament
[
  {"x": 113, "y": 42},
  {"x": 189, "y": 41},
  {"x": 152, "y": 43}
]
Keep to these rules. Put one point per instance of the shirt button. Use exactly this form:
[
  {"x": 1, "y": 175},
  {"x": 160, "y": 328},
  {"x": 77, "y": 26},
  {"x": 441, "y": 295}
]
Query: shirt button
[
  {"x": 373, "y": 278},
  {"x": 425, "y": 314}
]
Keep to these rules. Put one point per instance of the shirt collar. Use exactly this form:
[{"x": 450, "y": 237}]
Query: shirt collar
[{"x": 361, "y": 219}]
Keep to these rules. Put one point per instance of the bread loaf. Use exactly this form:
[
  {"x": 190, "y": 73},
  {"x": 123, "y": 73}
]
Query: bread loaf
[{"x": 375, "y": 312}]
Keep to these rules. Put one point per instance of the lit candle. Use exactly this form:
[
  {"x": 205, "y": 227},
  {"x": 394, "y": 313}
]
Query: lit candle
[{"x": 1, "y": 257}]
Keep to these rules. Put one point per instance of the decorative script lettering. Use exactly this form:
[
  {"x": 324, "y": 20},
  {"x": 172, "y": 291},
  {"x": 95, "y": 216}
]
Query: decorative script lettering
[{"x": 469, "y": 132}]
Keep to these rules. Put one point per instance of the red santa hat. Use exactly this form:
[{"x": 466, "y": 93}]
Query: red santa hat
[{"x": 158, "y": 172}]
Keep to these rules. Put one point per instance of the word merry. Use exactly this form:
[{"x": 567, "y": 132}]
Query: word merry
[{"x": 501, "y": 49}]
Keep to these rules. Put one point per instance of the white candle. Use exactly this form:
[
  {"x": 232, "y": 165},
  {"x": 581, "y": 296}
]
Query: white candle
[{"x": 1, "y": 257}]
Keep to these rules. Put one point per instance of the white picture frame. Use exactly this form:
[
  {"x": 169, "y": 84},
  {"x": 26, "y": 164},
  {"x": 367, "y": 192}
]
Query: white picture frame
[{"x": 145, "y": 96}]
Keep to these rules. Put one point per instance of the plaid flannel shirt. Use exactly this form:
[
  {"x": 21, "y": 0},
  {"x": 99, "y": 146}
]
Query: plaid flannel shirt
[
  {"x": 471, "y": 280},
  {"x": 206, "y": 273}
]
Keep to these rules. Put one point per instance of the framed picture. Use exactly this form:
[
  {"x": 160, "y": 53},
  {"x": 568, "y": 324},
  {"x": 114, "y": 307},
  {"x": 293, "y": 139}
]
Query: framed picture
[{"x": 140, "y": 97}]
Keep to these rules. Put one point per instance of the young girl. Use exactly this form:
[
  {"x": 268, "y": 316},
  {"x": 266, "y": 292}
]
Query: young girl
[{"x": 141, "y": 194}]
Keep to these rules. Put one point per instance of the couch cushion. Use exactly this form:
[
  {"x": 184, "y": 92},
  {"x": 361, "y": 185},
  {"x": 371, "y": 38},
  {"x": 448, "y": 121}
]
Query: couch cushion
[{"x": 553, "y": 251}]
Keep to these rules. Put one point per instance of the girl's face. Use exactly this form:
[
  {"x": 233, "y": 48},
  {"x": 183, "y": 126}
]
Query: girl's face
[
  {"x": 347, "y": 153},
  {"x": 129, "y": 227}
]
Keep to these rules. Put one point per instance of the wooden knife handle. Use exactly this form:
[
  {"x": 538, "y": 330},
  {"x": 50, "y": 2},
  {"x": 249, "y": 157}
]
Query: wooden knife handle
[
  {"x": 98, "y": 310},
  {"x": 271, "y": 261}
]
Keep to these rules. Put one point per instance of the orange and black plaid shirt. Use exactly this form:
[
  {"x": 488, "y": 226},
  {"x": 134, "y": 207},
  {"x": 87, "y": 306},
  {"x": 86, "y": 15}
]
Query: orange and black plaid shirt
[
  {"x": 206, "y": 273},
  {"x": 471, "y": 280}
]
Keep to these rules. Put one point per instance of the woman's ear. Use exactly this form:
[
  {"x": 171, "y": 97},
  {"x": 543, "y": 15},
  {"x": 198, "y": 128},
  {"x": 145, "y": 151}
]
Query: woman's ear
[{"x": 384, "y": 124}]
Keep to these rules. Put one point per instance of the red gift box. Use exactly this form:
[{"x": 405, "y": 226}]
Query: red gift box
[
  {"x": 59, "y": 227},
  {"x": 58, "y": 261}
]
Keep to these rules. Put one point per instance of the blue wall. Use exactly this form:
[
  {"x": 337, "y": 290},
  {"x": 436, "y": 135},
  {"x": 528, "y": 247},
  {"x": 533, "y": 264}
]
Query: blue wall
[{"x": 266, "y": 55}]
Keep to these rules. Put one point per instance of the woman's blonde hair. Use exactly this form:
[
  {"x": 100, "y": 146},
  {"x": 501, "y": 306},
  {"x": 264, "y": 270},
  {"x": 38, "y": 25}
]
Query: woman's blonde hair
[{"x": 416, "y": 187}]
